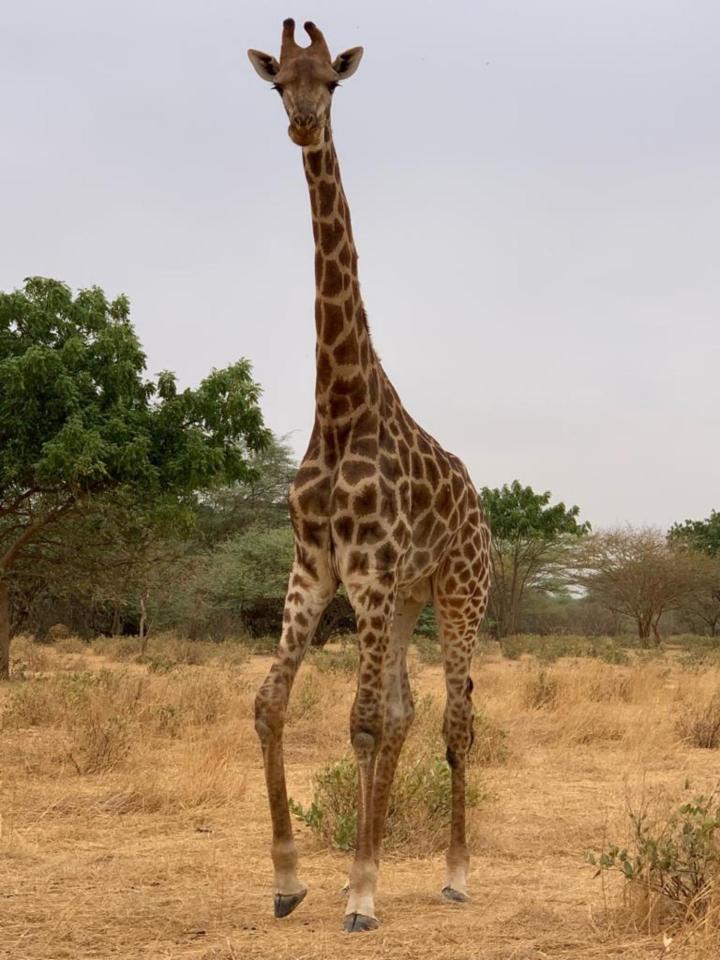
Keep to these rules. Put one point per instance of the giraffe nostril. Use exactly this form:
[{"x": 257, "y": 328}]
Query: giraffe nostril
[{"x": 303, "y": 120}]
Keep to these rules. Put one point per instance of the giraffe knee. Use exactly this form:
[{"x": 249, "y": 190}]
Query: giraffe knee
[
  {"x": 458, "y": 730},
  {"x": 451, "y": 757},
  {"x": 363, "y": 743},
  {"x": 268, "y": 717}
]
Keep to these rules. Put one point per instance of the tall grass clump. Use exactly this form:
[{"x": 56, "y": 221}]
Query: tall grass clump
[
  {"x": 541, "y": 691},
  {"x": 699, "y": 724}
]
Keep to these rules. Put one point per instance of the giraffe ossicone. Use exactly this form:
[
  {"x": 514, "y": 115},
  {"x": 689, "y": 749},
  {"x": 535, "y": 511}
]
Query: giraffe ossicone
[{"x": 377, "y": 505}]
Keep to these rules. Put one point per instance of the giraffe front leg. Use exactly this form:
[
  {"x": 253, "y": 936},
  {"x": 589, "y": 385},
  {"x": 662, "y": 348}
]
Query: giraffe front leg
[
  {"x": 304, "y": 606},
  {"x": 398, "y": 715},
  {"x": 373, "y": 609}
]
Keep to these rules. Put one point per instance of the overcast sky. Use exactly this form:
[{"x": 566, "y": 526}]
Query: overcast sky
[{"x": 535, "y": 190}]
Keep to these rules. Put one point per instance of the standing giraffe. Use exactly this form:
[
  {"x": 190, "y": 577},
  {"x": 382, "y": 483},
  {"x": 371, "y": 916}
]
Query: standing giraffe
[{"x": 378, "y": 506}]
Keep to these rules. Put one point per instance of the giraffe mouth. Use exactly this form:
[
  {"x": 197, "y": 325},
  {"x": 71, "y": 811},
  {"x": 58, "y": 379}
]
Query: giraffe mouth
[{"x": 305, "y": 136}]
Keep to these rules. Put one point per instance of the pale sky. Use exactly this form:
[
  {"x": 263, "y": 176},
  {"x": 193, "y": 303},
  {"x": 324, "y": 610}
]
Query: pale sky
[{"x": 535, "y": 191}]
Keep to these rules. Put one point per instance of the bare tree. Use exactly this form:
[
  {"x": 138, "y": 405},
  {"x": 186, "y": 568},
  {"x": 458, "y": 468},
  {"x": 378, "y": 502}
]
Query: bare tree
[
  {"x": 701, "y": 608},
  {"x": 637, "y": 573}
]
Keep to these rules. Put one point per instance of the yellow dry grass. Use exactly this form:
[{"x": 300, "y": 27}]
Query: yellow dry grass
[{"x": 134, "y": 818}]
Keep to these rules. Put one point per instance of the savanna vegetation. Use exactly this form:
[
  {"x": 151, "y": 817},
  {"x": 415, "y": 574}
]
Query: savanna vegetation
[
  {"x": 135, "y": 822},
  {"x": 144, "y": 550}
]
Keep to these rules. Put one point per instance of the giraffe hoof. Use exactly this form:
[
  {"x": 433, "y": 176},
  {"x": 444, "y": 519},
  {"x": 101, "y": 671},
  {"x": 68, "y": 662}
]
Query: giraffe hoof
[
  {"x": 358, "y": 923},
  {"x": 455, "y": 896},
  {"x": 285, "y": 903}
]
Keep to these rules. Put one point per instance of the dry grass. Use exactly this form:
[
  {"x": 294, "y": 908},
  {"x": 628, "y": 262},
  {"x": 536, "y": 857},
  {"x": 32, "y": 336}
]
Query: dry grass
[
  {"x": 134, "y": 818},
  {"x": 699, "y": 723}
]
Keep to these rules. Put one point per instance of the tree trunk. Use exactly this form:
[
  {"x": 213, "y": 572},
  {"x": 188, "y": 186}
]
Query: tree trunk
[
  {"x": 141, "y": 629},
  {"x": 115, "y": 628},
  {"x": 643, "y": 630},
  {"x": 4, "y": 630}
]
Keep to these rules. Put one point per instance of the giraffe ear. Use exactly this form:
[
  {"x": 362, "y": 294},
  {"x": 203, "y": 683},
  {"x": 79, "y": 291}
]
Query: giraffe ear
[
  {"x": 345, "y": 64},
  {"x": 266, "y": 66}
]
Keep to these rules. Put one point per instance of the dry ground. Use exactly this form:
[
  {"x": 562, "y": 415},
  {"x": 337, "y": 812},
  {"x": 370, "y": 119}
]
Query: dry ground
[{"x": 134, "y": 819}]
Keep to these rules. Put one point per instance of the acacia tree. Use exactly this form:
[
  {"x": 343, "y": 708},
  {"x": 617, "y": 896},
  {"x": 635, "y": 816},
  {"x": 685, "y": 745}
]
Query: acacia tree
[
  {"x": 78, "y": 418},
  {"x": 258, "y": 501},
  {"x": 529, "y": 541},
  {"x": 636, "y": 573}
]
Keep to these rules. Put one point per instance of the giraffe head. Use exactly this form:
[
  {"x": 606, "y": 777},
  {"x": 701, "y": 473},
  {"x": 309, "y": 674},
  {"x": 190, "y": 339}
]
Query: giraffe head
[{"x": 305, "y": 78}]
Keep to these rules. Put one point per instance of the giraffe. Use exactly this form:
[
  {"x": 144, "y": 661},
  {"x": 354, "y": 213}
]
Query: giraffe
[{"x": 378, "y": 506}]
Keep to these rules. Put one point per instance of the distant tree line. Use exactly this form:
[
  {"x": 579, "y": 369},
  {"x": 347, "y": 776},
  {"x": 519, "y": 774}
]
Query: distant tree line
[
  {"x": 551, "y": 573},
  {"x": 128, "y": 505}
]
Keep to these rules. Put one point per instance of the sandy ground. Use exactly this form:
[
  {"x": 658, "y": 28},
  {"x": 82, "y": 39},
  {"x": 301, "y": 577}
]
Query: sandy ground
[{"x": 160, "y": 857}]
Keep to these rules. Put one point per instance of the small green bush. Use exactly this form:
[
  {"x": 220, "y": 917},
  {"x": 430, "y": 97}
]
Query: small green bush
[
  {"x": 333, "y": 811},
  {"x": 418, "y": 812},
  {"x": 306, "y": 698},
  {"x": 676, "y": 858}
]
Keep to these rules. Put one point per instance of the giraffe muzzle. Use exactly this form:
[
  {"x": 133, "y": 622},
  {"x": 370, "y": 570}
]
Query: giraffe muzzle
[{"x": 304, "y": 129}]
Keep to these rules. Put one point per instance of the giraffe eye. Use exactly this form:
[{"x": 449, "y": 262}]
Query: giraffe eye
[
  {"x": 333, "y": 85},
  {"x": 276, "y": 86}
]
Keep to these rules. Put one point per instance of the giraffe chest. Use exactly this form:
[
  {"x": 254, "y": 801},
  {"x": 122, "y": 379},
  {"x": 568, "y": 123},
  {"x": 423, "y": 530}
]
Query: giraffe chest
[{"x": 389, "y": 513}]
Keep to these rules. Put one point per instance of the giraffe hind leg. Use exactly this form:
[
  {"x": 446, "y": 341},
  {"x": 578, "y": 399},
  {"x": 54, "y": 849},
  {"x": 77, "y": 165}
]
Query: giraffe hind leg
[
  {"x": 373, "y": 604},
  {"x": 459, "y": 624},
  {"x": 399, "y": 713}
]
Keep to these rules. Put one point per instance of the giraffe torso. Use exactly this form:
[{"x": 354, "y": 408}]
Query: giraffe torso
[{"x": 383, "y": 498}]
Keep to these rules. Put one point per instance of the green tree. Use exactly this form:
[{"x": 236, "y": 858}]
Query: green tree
[
  {"x": 701, "y": 535},
  {"x": 107, "y": 562},
  {"x": 78, "y": 418},
  {"x": 702, "y": 607},
  {"x": 259, "y": 500},
  {"x": 529, "y": 540}
]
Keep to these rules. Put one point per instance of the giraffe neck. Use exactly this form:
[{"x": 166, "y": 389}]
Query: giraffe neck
[{"x": 346, "y": 377}]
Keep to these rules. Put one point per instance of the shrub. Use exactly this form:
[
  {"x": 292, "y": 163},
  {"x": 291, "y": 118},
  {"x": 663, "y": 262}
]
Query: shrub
[
  {"x": 31, "y": 704},
  {"x": 676, "y": 859},
  {"x": 306, "y": 698},
  {"x": 699, "y": 724},
  {"x": 418, "y": 812},
  {"x": 550, "y": 648},
  {"x": 333, "y": 811}
]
